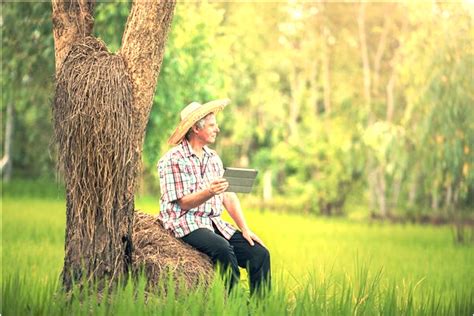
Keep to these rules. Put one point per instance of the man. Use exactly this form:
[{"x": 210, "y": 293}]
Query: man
[{"x": 193, "y": 194}]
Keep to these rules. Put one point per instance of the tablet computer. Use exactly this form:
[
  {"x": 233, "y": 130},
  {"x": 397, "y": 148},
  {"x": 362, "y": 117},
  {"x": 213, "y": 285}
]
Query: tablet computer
[{"x": 240, "y": 180}]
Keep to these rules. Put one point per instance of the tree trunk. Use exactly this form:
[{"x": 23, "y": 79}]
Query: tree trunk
[
  {"x": 267, "y": 186},
  {"x": 100, "y": 128},
  {"x": 434, "y": 199},
  {"x": 413, "y": 191},
  {"x": 326, "y": 73},
  {"x": 382, "y": 191},
  {"x": 448, "y": 201},
  {"x": 390, "y": 97},
  {"x": 6, "y": 163},
  {"x": 313, "y": 88},
  {"x": 365, "y": 60},
  {"x": 296, "y": 86},
  {"x": 371, "y": 163},
  {"x": 396, "y": 184},
  {"x": 379, "y": 54},
  {"x": 72, "y": 21}
]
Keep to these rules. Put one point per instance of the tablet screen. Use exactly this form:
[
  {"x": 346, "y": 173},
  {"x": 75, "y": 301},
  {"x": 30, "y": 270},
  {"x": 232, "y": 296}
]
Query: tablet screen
[{"x": 240, "y": 180}]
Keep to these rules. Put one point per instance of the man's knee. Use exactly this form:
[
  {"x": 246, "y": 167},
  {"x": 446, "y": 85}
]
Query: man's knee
[
  {"x": 265, "y": 254},
  {"x": 223, "y": 252},
  {"x": 226, "y": 260},
  {"x": 261, "y": 258}
]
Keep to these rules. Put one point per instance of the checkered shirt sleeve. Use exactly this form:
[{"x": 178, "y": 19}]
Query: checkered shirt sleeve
[{"x": 175, "y": 182}]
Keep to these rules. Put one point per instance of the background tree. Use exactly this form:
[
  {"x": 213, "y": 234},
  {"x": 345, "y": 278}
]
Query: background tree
[
  {"x": 101, "y": 107},
  {"x": 27, "y": 65}
]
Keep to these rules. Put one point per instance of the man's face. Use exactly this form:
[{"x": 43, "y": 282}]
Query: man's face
[{"x": 207, "y": 134}]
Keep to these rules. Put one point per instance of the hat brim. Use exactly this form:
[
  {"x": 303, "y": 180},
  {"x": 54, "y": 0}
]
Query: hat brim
[{"x": 184, "y": 125}]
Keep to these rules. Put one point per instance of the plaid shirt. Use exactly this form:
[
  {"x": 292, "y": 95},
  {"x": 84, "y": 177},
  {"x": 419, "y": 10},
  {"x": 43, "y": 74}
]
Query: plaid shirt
[{"x": 182, "y": 173}]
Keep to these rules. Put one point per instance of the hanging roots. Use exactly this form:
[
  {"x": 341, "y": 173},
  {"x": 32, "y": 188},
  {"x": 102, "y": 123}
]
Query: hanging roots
[
  {"x": 158, "y": 252},
  {"x": 94, "y": 130}
]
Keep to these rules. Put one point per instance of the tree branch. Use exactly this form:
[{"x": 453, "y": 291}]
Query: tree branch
[
  {"x": 365, "y": 58},
  {"x": 72, "y": 20},
  {"x": 380, "y": 52},
  {"x": 143, "y": 44}
]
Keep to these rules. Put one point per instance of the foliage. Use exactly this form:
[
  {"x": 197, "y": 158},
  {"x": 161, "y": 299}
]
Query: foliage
[
  {"x": 318, "y": 169},
  {"x": 26, "y": 82},
  {"x": 189, "y": 72},
  {"x": 439, "y": 116},
  {"x": 295, "y": 75}
]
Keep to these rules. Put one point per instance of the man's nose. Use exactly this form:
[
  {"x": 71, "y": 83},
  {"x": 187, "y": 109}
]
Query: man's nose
[{"x": 217, "y": 129}]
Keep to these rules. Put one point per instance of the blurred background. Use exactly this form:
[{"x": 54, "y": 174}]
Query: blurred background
[{"x": 346, "y": 109}]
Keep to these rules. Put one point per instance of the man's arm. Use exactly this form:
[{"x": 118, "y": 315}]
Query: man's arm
[
  {"x": 195, "y": 199},
  {"x": 232, "y": 205}
]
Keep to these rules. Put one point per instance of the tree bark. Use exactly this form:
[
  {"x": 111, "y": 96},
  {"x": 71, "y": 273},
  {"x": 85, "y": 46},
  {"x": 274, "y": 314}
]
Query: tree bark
[
  {"x": 143, "y": 45},
  {"x": 72, "y": 20},
  {"x": 98, "y": 245}
]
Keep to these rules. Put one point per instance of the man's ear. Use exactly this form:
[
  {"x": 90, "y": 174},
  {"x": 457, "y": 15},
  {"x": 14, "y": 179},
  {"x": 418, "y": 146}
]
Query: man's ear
[{"x": 195, "y": 129}]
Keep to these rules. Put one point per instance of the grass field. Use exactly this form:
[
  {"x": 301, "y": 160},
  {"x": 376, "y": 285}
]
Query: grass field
[{"x": 319, "y": 266}]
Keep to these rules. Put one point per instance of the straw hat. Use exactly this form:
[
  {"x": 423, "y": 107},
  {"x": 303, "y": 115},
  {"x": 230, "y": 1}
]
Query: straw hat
[{"x": 192, "y": 113}]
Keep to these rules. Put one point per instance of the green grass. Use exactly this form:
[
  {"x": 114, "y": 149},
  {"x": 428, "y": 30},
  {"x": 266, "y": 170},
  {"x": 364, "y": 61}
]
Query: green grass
[{"x": 319, "y": 266}]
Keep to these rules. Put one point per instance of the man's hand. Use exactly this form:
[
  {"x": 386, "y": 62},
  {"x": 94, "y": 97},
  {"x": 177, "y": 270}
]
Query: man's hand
[
  {"x": 195, "y": 199},
  {"x": 218, "y": 186},
  {"x": 250, "y": 237}
]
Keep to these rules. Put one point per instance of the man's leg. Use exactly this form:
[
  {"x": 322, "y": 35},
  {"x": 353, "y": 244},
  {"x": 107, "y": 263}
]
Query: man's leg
[
  {"x": 256, "y": 259},
  {"x": 218, "y": 249}
]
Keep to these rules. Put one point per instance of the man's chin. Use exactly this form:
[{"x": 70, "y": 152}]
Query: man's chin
[{"x": 211, "y": 140}]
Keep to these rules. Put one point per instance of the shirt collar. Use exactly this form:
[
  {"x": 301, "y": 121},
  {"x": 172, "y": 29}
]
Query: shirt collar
[{"x": 188, "y": 150}]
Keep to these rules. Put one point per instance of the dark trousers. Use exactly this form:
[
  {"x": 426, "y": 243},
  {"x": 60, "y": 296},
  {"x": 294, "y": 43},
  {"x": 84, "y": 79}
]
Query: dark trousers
[{"x": 231, "y": 254}]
